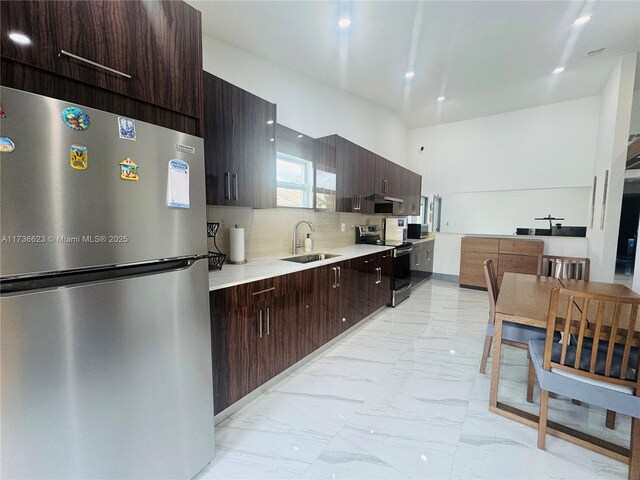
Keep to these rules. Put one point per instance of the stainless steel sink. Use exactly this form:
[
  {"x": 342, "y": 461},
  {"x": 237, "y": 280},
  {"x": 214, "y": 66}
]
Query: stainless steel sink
[{"x": 312, "y": 257}]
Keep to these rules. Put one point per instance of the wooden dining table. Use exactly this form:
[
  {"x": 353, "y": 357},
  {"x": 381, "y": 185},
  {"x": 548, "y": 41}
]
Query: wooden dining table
[{"x": 524, "y": 299}]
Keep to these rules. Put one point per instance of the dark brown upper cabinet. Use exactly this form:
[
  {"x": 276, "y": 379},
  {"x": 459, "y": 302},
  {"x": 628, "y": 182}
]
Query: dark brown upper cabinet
[
  {"x": 81, "y": 51},
  {"x": 239, "y": 146},
  {"x": 361, "y": 176},
  {"x": 354, "y": 173}
]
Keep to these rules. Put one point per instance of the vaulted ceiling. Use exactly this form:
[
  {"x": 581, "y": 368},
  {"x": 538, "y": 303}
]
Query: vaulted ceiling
[{"x": 485, "y": 57}]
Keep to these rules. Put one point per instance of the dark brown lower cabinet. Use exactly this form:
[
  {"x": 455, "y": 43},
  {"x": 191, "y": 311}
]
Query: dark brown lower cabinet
[{"x": 261, "y": 328}]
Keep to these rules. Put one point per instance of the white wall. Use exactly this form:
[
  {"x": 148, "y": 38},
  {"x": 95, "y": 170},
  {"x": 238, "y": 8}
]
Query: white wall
[
  {"x": 611, "y": 154},
  {"x": 501, "y": 212},
  {"x": 548, "y": 146},
  {"x": 307, "y": 105}
]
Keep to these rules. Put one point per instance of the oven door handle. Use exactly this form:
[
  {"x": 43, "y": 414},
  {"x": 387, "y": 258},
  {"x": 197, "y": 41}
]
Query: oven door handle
[{"x": 400, "y": 253}]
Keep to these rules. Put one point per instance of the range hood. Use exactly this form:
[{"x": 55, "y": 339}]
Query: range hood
[{"x": 377, "y": 198}]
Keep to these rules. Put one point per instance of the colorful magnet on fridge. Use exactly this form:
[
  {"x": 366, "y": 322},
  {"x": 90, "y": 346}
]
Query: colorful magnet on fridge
[
  {"x": 75, "y": 118},
  {"x": 127, "y": 128},
  {"x": 78, "y": 157},
  {"x": 6, "y": 145},
  {"x": 2, "y": 115},
  {"x": 129, "y": 170}
]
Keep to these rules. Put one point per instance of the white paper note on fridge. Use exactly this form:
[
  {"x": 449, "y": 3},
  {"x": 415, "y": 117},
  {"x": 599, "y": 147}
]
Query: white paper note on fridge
[{"x": 178, "y": 184}]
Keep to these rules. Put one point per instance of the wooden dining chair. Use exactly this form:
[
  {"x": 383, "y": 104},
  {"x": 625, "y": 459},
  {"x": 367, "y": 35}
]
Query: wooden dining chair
[
  {"x": 512, "y": 334},
  {"x": 605, "y": 377},
  {"x": 574, "y": 268}
]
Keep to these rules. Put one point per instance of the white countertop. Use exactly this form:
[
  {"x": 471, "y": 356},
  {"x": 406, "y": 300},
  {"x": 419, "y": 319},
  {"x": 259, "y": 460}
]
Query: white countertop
[
  {"x": 421, "y": 240},
  {"x": 266, "y": 267}
]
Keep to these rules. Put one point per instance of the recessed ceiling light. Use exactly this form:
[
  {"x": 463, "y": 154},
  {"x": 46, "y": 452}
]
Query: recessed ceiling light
[
  {"x": 272, "y": 139},
  {"x": 558, "y": 70},
  {"x": 299, "y": 136},
  {"x": 269, "y": 122},
  {"x": 441, "y": 98},
  {"x": 409, "y": 75},
  {"x": 344, "y": 22},
  {"x": 582, "y": 20},
  {"x": 20, "y": 38}
]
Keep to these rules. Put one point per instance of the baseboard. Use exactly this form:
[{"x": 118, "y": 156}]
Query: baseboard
[
  {"x": 445, "y": 277},
  {"x": 247, "y": 399}
]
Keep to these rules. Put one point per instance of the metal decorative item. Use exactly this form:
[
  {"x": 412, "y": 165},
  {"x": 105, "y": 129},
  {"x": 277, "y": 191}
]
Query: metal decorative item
[{"x": 216, "y": 259}]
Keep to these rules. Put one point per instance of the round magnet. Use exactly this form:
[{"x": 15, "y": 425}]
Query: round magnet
[
  {"x": 6, "y": 145},
  {"x": 75, "y": 118}
]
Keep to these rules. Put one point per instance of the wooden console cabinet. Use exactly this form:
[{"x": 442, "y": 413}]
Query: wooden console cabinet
[{"x": 508, "y": 255}]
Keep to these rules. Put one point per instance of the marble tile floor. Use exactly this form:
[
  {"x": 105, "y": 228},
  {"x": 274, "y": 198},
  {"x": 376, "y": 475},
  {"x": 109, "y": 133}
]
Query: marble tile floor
[{"x": 401, "y": 397}]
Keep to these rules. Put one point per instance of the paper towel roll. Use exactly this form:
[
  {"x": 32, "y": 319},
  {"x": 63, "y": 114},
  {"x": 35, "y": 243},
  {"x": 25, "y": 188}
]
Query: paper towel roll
[{"x": 236, "y": 245}]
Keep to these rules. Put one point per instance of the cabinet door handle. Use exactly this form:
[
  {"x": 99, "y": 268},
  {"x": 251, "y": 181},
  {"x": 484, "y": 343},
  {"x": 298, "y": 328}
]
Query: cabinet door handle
[
  {"x": 235, "y": 186},
  {"x": 339, "y": 275},
  {"x": 417, "y": 259},
  {"x": 227, "y": 186},
  {"x": 428, "y": 254},
  {"x": 360, "y": 202},
  {"x": 260, "y": 322},
  {"x": 264, "y": 291},
  {"x": 384, "y": 186},
  {"x": 98, "y": 65},
  {"x": 268, "y": 323},
  {"x": 335, "y": 277}
]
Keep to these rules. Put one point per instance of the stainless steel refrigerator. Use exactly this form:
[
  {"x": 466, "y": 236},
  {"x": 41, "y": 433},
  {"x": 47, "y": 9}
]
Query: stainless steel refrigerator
[{"x": 105, "y": 335}]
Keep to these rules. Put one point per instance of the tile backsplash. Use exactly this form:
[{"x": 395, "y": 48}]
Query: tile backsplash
[{"x": 269, "y": 231}]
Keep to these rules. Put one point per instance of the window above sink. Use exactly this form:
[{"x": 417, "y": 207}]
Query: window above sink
[{"x": 294, "y": 168}]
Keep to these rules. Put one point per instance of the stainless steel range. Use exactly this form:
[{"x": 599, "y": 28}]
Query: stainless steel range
[{"x": 401, "y": 272}]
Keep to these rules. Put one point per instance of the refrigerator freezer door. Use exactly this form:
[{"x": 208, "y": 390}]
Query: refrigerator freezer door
[
  {"x": 108, "y": 380},
  {"x": 56, "y": 217}
]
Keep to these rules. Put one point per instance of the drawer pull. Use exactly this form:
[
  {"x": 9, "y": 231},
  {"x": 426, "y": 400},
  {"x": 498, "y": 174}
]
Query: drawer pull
[
  {"x": 263, "y": 291},
  {"x": 268, "y": 323},
  {"x": 85, "y": 60}
]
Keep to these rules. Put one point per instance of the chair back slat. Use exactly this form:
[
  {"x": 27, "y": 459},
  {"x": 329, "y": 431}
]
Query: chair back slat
[
  {"x": 574, "y": 268},
  {"x": 551, "y": 328},
  {"x": 492, "y": 287},
  {"x": 567, "y": 327},
  {"x": 612, "y": 338},
  {"x": 581, "y": 329},
  {"x": 596, "y": 336},
  {"x": 633, "y": 317},
  {"x": 609, "y": 320}
]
